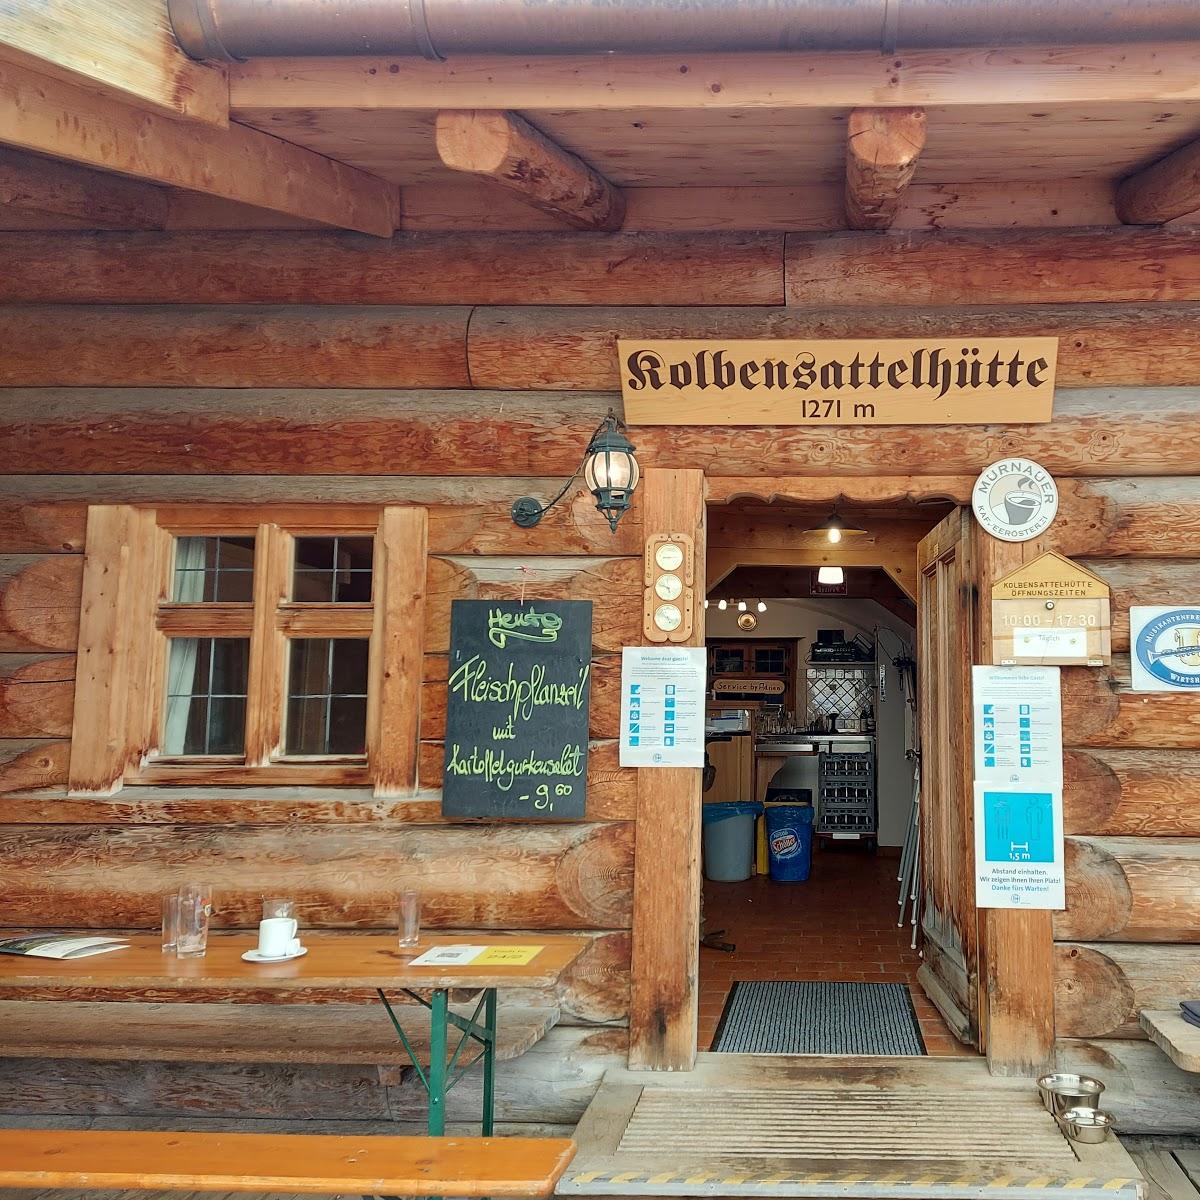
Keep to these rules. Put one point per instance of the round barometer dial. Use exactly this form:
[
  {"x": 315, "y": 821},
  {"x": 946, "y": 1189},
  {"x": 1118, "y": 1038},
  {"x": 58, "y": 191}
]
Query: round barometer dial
[
  {"x": 667, "y": 617},
  {"x": 668, "y": 587},
  {"x": 669, "y": 556}
]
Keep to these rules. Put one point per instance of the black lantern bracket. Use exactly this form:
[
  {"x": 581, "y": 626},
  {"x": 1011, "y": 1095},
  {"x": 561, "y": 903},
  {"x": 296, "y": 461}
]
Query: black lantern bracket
[{"x": 610, "y": 470}]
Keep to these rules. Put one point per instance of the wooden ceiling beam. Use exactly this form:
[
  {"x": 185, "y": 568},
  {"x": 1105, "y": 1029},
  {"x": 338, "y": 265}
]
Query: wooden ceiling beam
[
  {"x": 883, "y": 146},
  {"x": 123, "y": 48},
  {"x": 1031, "y": 76},
  {"x": 29, "y": 183},
  {"x": 1165, "y": 190},
  {"x": 505, "y": 148},
  {"x": 52, "y": 117}
]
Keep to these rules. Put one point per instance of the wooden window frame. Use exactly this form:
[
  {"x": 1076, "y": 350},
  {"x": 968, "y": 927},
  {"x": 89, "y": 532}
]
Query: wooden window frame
[{"x": 128, "y": 619}]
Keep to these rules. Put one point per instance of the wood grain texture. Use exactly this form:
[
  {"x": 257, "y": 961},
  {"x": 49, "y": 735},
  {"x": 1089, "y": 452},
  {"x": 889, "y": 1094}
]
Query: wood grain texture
[
  {"x": 1130, "y": 890},
  {"x": 883, "y": 147},
  {"x": 126, "y": 51},
  {"x": 29, "y": 183},
  {"x": 397, "y": 650},
  {"x": 1099, "y": 987},
  {"x": 593, "y": 990},
  {"x": 39, "y": 602},
  {"x": 314, "y": 1164},
  {"x": 359, "y": 438},
  {"x": 62, "y": 120},
  {"x": 502, "y": 146},
  {"x": 1144, "y": 581},
  {"x": 36, "y": 695},
  {"x": 141, "y": 346},
  {"x": 466, "y": 513},
  {"x": 1162, "y": 191},
  {"x": 333, "y": 268},
  {"x": 666, "y": 888},
  {"x": 1143, "y": 1090},
  {"x": 1126, "y": 793},
  {"x": 554, "y": 1082},
  {"x": 613, "y": 585},
  {"x": 1100, "y": 710},
  {"x": 27, "y": 763},
  {"x": 1028, "y": 266},
  {"x": 557, "y": 349},
  {"x": 544, "y": 877},
  {"x": 141, "y": 1031}
]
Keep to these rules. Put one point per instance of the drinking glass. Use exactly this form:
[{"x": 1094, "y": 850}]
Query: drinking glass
[
  {"x": 170, "y": 923},
  {"x": 409, "y": 925},
  {"x": 279, "y": 908},
  {"x": 195, "y": 905}
]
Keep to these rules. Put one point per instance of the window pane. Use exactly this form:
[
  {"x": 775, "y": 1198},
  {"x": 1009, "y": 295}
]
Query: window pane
[
  {"x": 332, "y": 570},
  {"x": 212, "y": 569},
  {"x": 327, "y": 696},
  {"x": 206, "y": 696}
]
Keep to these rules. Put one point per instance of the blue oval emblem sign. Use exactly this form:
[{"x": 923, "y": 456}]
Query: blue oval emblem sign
[{"x": 1166, "y": 648}]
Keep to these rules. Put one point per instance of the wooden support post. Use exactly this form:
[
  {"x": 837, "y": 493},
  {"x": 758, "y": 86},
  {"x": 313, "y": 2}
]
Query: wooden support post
[
  {"x": 666, "y": 878},
  {"x": 1016, "y": 946},
  {"x": 32, "y": 184},
  {"x": 882, "y": 149},
  {"x": 504, "y": 147},
  {"x": 1162, "y": 191},
  {"x": 397, "y": 650}
]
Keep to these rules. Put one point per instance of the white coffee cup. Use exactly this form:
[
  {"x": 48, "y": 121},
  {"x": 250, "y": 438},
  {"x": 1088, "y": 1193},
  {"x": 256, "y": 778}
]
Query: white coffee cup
[{"x": 277, "y": 937}]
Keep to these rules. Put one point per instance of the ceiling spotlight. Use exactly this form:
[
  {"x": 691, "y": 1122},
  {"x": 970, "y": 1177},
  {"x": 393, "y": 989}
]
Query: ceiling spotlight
[
  {"x": 706, "y": 604},
  {"x": 722, "y": 604},
  {"x": 762, "y": 606},
  {"x": 831, "y": 575},
  {"x": 741, "y": 606}
]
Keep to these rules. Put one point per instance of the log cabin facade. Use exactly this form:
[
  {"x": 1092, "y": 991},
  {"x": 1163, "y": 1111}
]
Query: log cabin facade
[{"x": 196, "y": 365}]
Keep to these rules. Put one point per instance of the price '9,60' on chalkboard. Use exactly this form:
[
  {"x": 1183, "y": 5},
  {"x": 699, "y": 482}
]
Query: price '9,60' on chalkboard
[{"x": 517, "y": 709}]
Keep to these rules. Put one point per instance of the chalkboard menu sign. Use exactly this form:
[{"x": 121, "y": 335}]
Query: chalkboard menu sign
[{"x": 517, "y": 709}]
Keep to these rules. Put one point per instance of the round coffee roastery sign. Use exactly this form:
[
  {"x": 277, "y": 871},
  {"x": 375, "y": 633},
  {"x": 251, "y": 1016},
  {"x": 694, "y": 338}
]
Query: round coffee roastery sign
[{"x": 1015, "y": 499}]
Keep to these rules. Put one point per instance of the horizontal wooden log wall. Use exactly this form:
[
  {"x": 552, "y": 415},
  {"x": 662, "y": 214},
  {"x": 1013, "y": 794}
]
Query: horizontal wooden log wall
[{"x": 459, "y": 372}]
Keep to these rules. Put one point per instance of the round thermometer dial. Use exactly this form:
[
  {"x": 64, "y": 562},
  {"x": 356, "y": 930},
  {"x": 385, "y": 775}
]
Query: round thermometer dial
[
  {"x": 668, "y": 587},
  {"x": 669, "y": 556},
  {"x": 667, "y": 617}
]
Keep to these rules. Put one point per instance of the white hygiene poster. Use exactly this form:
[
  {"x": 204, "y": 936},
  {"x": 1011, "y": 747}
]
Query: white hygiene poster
[
  {"x": 662, "y": 706},
  {"x": 1018, "y": 726}
]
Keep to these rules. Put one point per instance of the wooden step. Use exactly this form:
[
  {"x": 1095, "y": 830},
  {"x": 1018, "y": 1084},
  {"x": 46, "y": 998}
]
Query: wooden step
[
  {"x": 315, "y": 1164},
  {"x": 1175, "y": 1037},
  {"x": 244, "y": 1033}
]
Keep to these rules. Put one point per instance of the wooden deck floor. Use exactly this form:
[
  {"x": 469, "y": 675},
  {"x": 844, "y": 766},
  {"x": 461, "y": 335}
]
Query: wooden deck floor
[{"x": 937, "y": 1129}]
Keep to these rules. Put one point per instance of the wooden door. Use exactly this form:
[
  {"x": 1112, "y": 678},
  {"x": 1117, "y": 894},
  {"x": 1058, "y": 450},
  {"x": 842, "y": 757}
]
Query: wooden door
[{"x": 945, "y": 617}]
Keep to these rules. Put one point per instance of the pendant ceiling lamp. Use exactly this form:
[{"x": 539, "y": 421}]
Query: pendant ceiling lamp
[{"x": 835, "y": 528}]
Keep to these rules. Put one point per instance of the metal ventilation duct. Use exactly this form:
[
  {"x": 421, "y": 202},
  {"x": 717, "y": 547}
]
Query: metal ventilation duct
[{"x": 436, "y": 29}]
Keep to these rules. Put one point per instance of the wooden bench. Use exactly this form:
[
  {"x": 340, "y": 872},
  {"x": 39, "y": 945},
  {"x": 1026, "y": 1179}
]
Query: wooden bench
[
  {"x": 1177, "y": 1039},
  {"x": 261, "y": 1162},
  {"x": 339, "y": 1034}
]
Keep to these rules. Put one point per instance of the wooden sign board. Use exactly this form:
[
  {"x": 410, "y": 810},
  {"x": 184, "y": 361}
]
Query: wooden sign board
[
  {"x": 517, "y": 709},
  {"x": 1051, "y": 612},
  {"x": 958, "y": 380},
  {"x": 749, "y": 687}
]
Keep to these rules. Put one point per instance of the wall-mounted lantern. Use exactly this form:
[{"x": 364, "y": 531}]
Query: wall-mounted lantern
[{"x": 609, "y": 469}]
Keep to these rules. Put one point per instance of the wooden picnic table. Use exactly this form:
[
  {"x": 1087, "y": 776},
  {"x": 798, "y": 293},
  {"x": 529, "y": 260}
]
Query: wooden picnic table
[{"x": 339, "y": 962}]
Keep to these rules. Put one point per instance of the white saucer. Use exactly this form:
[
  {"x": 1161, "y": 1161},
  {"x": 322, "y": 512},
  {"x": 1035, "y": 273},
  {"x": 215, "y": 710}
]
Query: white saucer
[{"x": 255, "y": 956}]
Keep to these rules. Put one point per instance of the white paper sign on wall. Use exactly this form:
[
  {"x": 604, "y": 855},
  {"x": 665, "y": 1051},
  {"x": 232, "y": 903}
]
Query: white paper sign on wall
[{"x": 1015, "y": 499}]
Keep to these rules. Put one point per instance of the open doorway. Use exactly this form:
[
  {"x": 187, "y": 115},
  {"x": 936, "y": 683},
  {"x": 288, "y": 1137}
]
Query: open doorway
[{"x": 812, "y": 738}]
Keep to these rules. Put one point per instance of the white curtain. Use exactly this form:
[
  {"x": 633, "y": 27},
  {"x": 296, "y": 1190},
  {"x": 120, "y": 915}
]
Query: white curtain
[{"x": 190, "y": 558}]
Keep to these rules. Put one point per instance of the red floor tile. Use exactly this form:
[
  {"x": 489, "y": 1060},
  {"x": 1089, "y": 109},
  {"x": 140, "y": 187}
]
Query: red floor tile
[{"x": 838, "y": 926}]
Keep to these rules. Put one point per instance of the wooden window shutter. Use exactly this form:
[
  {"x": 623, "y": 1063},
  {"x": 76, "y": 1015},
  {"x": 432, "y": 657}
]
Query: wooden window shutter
[
  {"x": 397, "y": 650},
  {"x": 120, "y": 654}
]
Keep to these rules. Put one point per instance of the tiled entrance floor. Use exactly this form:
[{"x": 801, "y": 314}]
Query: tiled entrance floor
[{"x": 839, "y": 926}]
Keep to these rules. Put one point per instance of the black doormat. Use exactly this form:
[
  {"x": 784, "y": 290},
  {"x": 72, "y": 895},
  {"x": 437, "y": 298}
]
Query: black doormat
[{"x": 794, "y": 1017}]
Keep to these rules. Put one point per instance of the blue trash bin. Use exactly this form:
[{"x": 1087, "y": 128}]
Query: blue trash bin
[
  {"x": 789, "y": 842},
  {"x": 729, "y": 840}
]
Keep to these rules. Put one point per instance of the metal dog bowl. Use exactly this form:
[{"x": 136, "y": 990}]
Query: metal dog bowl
[
  {"x": 1063, "y": 1090},
  {"x": 1086, "y": 1124}
]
